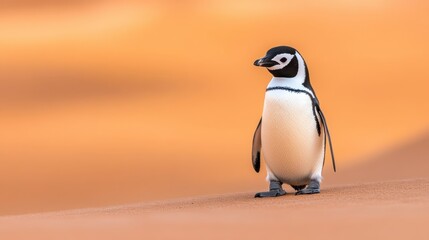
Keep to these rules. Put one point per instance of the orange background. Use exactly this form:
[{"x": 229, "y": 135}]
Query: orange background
[{"x": 110, "y": 102}]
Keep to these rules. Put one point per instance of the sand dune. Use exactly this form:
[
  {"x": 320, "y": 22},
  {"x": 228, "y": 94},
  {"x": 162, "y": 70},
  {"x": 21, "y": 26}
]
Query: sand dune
[
  {"x": 393, "y": 204},
  {"x": 405, "y": 161},
  {"x": 394, "y": 210}
]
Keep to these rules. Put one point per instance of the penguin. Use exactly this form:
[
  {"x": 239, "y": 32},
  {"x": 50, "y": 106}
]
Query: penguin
[{"x": 292, "y": 131}]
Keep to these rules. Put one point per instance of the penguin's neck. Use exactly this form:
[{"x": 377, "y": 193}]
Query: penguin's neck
[
  {"x": 290, "y": 83},
  {"x": 294, "y": 82}
]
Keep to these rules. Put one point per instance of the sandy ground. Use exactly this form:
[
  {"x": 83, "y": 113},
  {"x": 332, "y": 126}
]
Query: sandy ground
[
  {"x": 356, "y": 203},
  {"x": 394, "y": 210}
]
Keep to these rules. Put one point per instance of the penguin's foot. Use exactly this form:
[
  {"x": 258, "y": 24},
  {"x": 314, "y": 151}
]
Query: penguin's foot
[
  {"x": 275, "y": 190},
  {"x": 271, "y": 193},
  {"x": 312, "y": 188}
]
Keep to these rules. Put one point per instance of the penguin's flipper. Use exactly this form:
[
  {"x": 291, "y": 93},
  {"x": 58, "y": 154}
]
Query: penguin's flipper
[
  {"x": 256, "y": 148},
  {"x": 325, "y": 127}
]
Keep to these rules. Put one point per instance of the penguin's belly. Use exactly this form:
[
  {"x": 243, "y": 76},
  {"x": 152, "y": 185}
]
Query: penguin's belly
[{"x": 291, "y": 145}]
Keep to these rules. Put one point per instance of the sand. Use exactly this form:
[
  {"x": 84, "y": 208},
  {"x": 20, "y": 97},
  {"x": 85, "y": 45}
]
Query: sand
[
  {"x": 395, "y": 206},
  {"x": 394, "y": 210}
]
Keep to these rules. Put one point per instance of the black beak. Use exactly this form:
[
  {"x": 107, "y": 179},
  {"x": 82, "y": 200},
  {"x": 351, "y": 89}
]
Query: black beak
[{"x": 264, "y": 62}]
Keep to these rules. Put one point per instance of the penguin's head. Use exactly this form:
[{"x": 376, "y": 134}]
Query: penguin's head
[{"x": 280, "y": 61}]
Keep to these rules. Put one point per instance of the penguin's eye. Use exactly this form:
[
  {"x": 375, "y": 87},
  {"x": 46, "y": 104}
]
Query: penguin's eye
[{"x": 283, "y": 59}]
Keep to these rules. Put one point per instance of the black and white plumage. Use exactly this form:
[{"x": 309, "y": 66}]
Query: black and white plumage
[{"x": 292, "y": 131}]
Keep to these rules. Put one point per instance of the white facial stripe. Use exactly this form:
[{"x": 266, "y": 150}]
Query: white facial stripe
[
  {"x": 281, "y": 64},
  {"x": 293, "y": 82}
]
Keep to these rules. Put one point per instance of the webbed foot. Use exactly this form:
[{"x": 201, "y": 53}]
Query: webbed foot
[
  {"x": 275, "y": 190},
  {"x": 312, "y": 188}
]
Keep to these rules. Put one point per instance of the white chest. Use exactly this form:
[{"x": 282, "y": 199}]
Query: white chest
[{"x": 291, "y": 144}]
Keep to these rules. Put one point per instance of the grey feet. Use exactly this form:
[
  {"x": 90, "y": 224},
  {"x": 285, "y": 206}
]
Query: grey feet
[
  {"x": 275, "y": 190},
  {"x": 312, "y": 188},
  {"x": 271, "y": 193}
]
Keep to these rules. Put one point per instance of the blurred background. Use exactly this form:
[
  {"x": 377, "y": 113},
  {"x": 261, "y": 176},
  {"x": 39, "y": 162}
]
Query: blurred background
[{"x": 112, "y": 102}]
